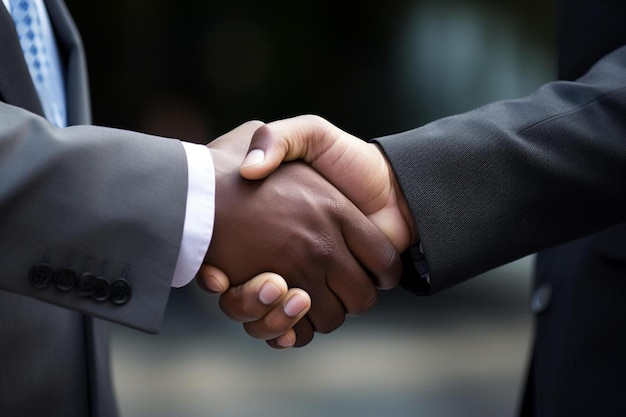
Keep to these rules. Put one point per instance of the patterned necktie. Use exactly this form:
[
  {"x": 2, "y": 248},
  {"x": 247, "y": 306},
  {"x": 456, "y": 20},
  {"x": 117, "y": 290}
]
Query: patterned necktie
[{"x": 42, "y": 61}]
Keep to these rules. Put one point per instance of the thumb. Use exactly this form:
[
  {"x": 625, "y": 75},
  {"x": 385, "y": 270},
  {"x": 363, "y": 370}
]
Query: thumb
[
  {"x": 355, "y": 168},
  {"x": 303, "y": 137},
  {"x": 212, "y": 279},
  {"x": 358, "y": 169}
]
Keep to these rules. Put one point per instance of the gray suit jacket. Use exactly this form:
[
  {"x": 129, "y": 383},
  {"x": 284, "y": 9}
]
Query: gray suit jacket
[{"x": 90, "y": 226}]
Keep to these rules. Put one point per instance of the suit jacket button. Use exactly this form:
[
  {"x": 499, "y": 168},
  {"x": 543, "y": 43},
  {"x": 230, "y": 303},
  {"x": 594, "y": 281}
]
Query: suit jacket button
[
  {"x": 120, "y": 291},
  {"x": 87, "y": 284},
  {"x": 541, "y": 298},
  {"x": 40, "y": 275},
  {"x": 65, "y": 279},
  {"x": 103, "y": 290}
]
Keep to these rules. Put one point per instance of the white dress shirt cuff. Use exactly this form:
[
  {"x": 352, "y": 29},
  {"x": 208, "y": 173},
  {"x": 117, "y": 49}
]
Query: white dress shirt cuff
[{"x": 199, "y": 214}]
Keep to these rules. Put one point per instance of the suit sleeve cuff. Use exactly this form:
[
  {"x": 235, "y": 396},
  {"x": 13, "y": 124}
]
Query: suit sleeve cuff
[{"x": 199, "y": 213}]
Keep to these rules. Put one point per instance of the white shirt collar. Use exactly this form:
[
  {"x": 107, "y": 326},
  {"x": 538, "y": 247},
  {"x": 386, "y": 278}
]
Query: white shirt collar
[{"x": 6, "y": 4}]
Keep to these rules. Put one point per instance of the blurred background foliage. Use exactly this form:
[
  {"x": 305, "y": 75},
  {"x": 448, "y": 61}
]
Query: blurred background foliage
[{"x": 194, "y": 70}]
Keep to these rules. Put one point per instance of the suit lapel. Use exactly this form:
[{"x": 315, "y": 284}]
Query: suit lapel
[
  {"x": 16, "y": 86},
  {"x": 73, "y": 57}
]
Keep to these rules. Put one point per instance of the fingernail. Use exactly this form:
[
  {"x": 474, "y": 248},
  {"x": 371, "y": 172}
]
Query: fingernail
[
  {"x": 294, "y": 306},
  {"x": 254, "y": 157},
  {"x": 212, "y": 284},
  {"x": 269, "y": 293},
  {"x": 284, "y": 341}
]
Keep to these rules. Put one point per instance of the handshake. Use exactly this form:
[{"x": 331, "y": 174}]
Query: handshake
[{"x": 331, "y": 220}]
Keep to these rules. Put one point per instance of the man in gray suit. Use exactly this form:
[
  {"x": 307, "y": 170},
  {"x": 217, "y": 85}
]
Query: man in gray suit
[{"x": 99, "y": 223}]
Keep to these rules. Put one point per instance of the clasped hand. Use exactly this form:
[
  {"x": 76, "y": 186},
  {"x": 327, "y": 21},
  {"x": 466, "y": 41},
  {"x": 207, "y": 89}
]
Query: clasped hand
[{"x": 331, "y": 225}]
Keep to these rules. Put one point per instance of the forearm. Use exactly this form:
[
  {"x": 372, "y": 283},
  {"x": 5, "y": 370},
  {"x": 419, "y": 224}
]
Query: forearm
[
  {"x": 95, "y": 200},
  {"x": 511, "y": 178}
]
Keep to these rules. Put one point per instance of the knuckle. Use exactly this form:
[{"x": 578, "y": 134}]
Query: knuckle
[
  {"x": 275, "y": 325},
  {"x": 323, "y": 248},
  {"x": 254, "y": 123},
  {"x": 314, "y": 119}
]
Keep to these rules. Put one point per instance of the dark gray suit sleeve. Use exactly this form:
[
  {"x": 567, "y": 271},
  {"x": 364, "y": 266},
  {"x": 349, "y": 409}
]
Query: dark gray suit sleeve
[
  {"x": 514, "y": 177},
  {"x": 86, "y": 199}
]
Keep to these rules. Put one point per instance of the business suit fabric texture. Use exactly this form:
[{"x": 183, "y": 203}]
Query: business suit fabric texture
[
  {"x": 520, "y": 176},
  {"x": 87, "y": 198}
]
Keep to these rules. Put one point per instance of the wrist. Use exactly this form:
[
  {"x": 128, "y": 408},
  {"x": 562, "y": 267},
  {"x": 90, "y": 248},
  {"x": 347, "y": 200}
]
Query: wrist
[{"x": 405, "y": 216}]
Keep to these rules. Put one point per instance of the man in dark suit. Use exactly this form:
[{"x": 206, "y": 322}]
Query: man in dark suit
[
  {"x": 483, "y": 188},
  {"x": 99, "y": 223}
]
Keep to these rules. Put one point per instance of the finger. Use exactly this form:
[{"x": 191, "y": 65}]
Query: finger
[
  {"x": 349, "y": 281},
  {"x": 358, "y": 169},
  {"x": 355, "y": 288},
  {"x": 287, "y": 340},
  {"x": 372, "y": 249},
  {"x": 327, "y": 311},
  {"x": 300, "y": 336},
  {"x": 304, "y": 332},
  {"x": 284, "y": 341},
  {"x": 212, "y": 279},
  {"x": 283, "y": 316},
  {"x": 303, "y": 137},
  {"x": 253, "y": 299}
]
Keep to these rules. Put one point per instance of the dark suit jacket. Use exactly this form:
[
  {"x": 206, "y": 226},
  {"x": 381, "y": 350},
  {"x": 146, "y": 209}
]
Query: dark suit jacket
[
  {"x": 578, "y": 364},
  {"x": 520, "y": 176},
  {"x": 77, "y": 200}
]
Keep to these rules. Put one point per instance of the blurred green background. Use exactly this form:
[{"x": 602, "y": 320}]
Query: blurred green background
[{"x": 196, "y": 69}]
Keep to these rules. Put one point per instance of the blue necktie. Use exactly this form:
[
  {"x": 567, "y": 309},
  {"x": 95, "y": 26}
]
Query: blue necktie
[{"x": 42, "y": 61}]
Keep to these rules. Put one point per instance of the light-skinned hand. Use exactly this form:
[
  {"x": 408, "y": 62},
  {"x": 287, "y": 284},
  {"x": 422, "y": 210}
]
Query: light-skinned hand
[{"x": 358, "y": 169}]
